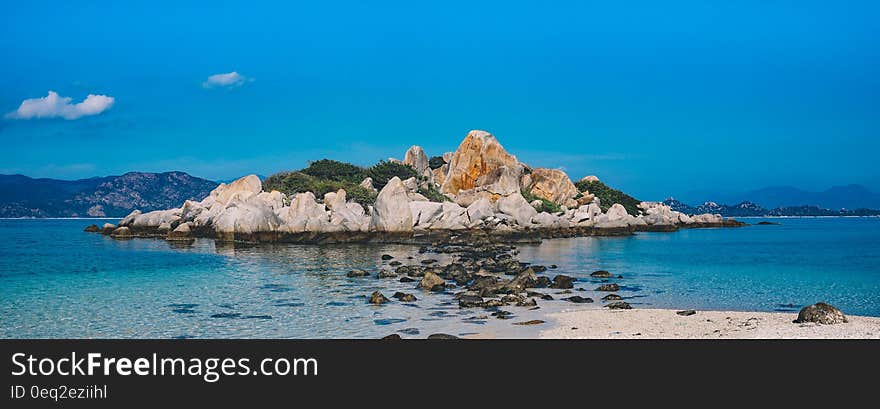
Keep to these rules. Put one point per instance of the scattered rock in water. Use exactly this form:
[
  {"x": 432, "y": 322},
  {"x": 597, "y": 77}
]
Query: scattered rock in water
[
  {"x": 431, "y": 280},
  {"x": 611, "y": 297},
  {"x": 601, "y": 274},
  {"x": 578, "y": 299},
  {"x": 392, "y": 336},
  {"x": 442, "y": 336},
  {"x": 409, "y": 331},
  {"x": 502, "y": 314},
  {"x": 377, "y": 298},
  {"x": 429, "y": 261},
  {"x": 538, "y": 268},
  {"x": 121, "y": 233},
  {"x": 226, "y": 315},
  {"x": 527, "y": 303},
  {"x": 470, "y": 301},
  {"x": 529, "y": 322},
  {"x": 821, "y": 313},
  {"x": 562, "y": 281},
  {"x": 387, "y": 257},
  {"x": 386, "y": 274},
  {"x": 406, "y": 279},
  {"x": 257, "y": 317},
  {"x": 765, "y": 223},
  {"x": 357, "y": 273},
  {"x": 388, "y": 321},
  {"x": 404, "y": 297},
  {"x": 539, "y": 295},
  {"x": 686, "y": 313},
  {"x": 92, "y": 228},
  {"x": 608, "y": 287},
  {"x": 619, "y": 305},
  {"x": 553, "y": 266},
  {"x": 564, "y": 292},
  {"x": 493, "y": 303},
  {"x": 394, "y": 263},
  {"x": 184, "y": 311},
  {"x": 336, "y": 304}
]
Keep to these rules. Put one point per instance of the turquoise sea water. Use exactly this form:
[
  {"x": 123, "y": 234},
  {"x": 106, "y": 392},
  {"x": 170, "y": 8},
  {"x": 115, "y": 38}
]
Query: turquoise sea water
[{"x": 57, "y": 281}]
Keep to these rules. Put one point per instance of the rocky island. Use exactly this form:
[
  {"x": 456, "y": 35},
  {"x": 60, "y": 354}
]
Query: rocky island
[{"x": 479, "y": 191}]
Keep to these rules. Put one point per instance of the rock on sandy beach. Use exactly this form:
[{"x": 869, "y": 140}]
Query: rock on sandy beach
[{"x": 655, "y": 323}]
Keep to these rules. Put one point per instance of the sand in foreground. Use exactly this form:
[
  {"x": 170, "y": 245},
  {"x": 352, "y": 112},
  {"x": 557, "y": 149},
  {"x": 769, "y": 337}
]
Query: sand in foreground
[{"x": 654, "y": 323}]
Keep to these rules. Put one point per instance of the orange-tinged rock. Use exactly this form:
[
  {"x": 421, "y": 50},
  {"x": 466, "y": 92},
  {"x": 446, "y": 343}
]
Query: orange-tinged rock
[
  {"x": 477, "y": 155},
  {"x": 553, "y": 185}
]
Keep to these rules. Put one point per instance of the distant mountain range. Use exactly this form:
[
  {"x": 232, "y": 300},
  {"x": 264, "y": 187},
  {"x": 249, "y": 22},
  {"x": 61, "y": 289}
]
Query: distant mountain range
[
  {"x": 837, "y": 197},
  {"x": 749, "y": 209},
  {"x": 110, "y": 196}
]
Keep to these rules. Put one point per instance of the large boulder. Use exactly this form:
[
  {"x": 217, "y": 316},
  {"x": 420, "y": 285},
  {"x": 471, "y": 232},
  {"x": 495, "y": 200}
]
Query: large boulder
[
  {"x": 708, "y": 218},
  {"x": 553, "y": 185},
  {"x": 453, "y": 217},
  {"x": 246, "y": 214},
  {"x": 304, "y": 214},
  {"x": 500, "y": 182},
  {"x": 615, "y": 217},
  {"x": 518, "y": 208},
  {"x": 416, "y": 157},
  {"x": 345, "y": 216},
  {"x": 821, "y": 313},
  {"x": 155, "y": 218},
  {"x": 391, "y": 212},
  {"x": 425, "y": 213},
  {"x": 224, "y": 192},
  {"x": 480, "y": 210},
  {"x": 478, "y": 155}
]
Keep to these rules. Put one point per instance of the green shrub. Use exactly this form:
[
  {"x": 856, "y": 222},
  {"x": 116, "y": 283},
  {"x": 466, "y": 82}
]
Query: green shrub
[
  {"x": 546, "y": 205},
  {"x": 335, "y": 170},
  {"x": 433, "y": 194},
  {"x": 291, "y": 183},
  {"x": 609, "y": 196},
  {"x": 384, "y": 171},
  {"x": 436, "y": 162}
]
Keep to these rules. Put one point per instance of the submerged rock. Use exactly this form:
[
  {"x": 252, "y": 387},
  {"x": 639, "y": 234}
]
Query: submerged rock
[
  {"x": 529, "y": 322},
  {"x": 821, "y": 313},
  {"x": 562, "y": 282},
  {"x": 404, "y": 297},
  {"x": 611, "y": 297},
  {"x": 619, "y": 305},
  {"x": 430, "y": 281},
  {"x": 601, "y": 274},
  {"x": 442, "y": 336},
  {"x": 377, "y": 298},
  {"x": 608, "y": 287},
  {"x": 578, "y": 299},
  {"x": 92, "y": 228},
  {"x": 357, "y": 273}
]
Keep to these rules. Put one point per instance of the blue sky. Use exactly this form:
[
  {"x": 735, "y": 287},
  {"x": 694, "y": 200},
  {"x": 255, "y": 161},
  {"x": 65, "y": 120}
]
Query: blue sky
[{"x": 657, "y": 98}]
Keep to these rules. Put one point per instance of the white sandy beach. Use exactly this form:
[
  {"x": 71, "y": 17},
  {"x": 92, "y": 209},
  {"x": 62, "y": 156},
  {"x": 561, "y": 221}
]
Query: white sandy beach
[{"x": 659, "y": 323}]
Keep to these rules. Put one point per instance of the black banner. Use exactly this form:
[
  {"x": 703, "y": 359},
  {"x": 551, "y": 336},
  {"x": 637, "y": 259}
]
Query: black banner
[{"x": 53, "y": 373}]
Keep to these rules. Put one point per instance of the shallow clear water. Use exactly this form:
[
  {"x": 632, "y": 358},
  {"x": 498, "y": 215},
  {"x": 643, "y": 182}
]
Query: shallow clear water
[{"x": 57, "y": 281}]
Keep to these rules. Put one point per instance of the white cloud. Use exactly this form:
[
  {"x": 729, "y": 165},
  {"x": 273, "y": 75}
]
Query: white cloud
[
  {"x": 54, "y": 106},
  {"x": 227, "y": 80}
]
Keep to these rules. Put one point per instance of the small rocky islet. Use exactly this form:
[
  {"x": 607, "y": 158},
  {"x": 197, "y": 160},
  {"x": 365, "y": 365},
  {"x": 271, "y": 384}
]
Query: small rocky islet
[{"x": 477, "y": 191}]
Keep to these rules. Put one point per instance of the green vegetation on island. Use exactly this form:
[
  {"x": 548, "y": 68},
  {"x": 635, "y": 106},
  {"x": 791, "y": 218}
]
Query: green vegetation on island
[
  {"x": 327, "y": 175},
  {"x": 609, "y": 196}
]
